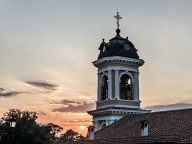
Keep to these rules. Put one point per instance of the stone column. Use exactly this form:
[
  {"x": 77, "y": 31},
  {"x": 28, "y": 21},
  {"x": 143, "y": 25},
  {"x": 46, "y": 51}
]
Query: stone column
[
  {"x": 117, "y": 84},
  {"x": 110, "y": 84},
  {"x": 96, "y": 126},
  {"x": 136, "y": 86},
  {"x": 99, "y": 87}
]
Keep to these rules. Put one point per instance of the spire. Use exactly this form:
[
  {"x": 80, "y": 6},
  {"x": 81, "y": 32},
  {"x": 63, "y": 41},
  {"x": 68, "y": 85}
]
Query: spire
[{"x": 117, "y": 17}]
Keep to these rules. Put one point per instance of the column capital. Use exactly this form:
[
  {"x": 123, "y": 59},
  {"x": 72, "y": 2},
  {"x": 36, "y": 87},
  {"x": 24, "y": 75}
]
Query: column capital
[{"x": 109, "y": 71}]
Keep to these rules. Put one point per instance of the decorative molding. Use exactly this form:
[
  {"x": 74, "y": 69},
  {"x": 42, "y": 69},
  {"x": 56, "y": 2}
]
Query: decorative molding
[
  {"x": 107, "y": 112},
  {"x": 118, "y": 103},
  {"x": 118, "y": 59},
  {"x": 107, "y": 68}
]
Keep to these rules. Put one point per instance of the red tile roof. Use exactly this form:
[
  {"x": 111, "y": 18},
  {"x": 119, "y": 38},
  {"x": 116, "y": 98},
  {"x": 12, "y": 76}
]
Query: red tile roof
[
  {"x": 164, "y": 127},
  {"x": 167, "y": 124},
  {"x": 139, "y": 140}
]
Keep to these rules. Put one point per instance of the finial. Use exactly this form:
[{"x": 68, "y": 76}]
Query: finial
[
  {"x": 117, "y": 17},
  {"x": 118, "y": 32}
]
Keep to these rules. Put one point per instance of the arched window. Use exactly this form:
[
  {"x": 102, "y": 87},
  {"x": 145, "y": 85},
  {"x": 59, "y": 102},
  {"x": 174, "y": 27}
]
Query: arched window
[
  {"x": 126, "y": 87},
  {"x": 104, "y": 88}
]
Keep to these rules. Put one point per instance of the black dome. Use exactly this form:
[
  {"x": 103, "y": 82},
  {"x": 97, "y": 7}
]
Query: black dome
[{"x": 118, "y": 46}]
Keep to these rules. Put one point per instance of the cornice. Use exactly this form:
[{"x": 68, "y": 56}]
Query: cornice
[{"x": 118, "y": 59}]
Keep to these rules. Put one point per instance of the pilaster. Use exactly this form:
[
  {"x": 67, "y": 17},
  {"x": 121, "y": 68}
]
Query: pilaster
[
  {"x": 110, "y": 84},
  {"x": 99, "y": 87},
  {"x": 117, "y": 84},
  {"x": 136, "y": 86}
]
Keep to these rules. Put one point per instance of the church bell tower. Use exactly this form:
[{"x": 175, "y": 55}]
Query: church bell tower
[{"x": 118, "y": 81}]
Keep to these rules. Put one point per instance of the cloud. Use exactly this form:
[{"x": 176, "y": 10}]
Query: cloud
[
  {"x": 2, "y": 89},
  {"x": 68, "y": 102},
  {"x": 82, "y": 107},
  {"x": 41, "y": 113},
  {"x": 169, "y": 107},
  {"x": 79, "y": 121},
  {"x": 64, "y": 102},
  {"x": 5, "y": 93},
  {"x": 43, "y": 85}
]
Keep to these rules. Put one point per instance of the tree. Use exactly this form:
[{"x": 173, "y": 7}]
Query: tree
[
  {"x": 27, "y": 130},
  {"x": 71, "y": 135},
  {"x": 53, "y": 130}
]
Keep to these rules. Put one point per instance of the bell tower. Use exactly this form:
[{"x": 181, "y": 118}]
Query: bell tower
[{"x": 118, "y": 81}]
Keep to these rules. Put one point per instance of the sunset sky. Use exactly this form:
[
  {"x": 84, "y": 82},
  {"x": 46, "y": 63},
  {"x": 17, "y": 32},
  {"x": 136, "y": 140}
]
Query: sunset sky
[{"x": 47, "y": 48}]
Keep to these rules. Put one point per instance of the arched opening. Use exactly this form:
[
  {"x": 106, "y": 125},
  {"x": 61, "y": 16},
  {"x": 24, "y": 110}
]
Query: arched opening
[
  {"x": 104, "y": 88},
  {"x": 103, "y": 126},
  {"x": 126, "y": 87}
]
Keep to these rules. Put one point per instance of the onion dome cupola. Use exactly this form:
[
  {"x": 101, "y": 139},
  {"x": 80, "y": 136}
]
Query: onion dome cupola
[{"x": 118, "y": 46}]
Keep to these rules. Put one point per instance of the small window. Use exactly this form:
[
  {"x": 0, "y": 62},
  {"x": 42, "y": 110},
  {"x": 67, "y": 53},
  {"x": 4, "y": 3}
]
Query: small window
[{"x": 144, "y": 128}]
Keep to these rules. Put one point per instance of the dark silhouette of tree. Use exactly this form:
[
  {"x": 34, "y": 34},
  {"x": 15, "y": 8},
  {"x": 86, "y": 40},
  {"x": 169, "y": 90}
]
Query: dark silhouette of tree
[
  {"x": 27, "y": 130},
  {"x": 70, "y": 135}
]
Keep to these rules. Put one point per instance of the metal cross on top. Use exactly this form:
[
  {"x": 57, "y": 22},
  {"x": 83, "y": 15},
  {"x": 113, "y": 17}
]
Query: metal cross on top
[{"x": 117, "y": 17}]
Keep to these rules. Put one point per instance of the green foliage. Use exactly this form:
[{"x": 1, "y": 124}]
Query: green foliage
[
  {"x": 27, "y": 130},
  {"x": 70, "y": 135}
]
